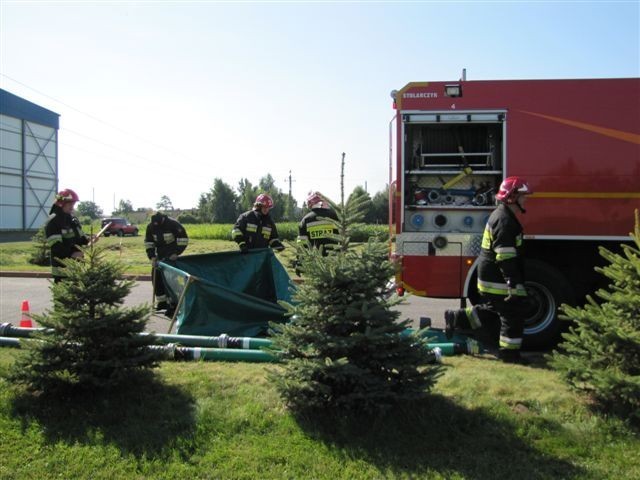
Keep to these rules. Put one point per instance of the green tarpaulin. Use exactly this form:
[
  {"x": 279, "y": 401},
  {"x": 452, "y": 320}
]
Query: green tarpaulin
[{"x": 228, "y": 292}]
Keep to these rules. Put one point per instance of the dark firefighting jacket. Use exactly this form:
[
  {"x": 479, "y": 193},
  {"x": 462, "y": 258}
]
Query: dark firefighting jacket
[
  {"x": 64, "y": 235},
  {"x": 318, "y": 227},
  {"x": 501, "y": 266},
  {"x": 255, "y": 230},
  {"x": 166, "y": 239}
]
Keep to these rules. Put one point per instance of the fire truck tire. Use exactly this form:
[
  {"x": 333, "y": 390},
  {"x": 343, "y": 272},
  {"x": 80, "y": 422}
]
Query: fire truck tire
[{"x": 548, "y": 288}]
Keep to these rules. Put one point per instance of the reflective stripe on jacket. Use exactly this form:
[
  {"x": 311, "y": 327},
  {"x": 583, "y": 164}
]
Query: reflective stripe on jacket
[
  {"x": 255, "y": 230},
  {"x": 318, "y": 227},
  {"x": 166, "y": 239},
  {"x": 64, "y": 235},
  {"x": 500, "y": 262}
]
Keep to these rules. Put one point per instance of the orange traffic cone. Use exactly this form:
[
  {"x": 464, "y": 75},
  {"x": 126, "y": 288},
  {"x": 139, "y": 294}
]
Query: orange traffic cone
[{"x": 25, "y": 320}]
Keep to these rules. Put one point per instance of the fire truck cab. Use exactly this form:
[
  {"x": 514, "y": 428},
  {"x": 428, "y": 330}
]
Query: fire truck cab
[{"x": 576, "y": 142}]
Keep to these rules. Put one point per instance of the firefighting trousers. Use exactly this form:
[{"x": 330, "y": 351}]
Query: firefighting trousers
[
  {"x": 159, "y": 289},
  {"x": 510, "y": 315}
]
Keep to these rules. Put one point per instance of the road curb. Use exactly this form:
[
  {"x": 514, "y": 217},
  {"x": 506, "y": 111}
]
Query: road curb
[
  {"x": 128, "y": 276},
  {"x": 139, "y": 278}
]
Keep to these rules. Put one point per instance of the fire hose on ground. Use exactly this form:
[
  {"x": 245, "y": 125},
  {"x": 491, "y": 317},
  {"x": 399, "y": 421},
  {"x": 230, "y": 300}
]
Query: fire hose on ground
[{"x": 248, "y": 349}]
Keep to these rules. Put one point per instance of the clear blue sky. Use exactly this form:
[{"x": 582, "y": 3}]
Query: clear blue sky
[{"x": 159, "y": 98}]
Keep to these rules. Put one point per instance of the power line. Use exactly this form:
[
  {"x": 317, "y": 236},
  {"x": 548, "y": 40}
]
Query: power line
[
  {"x": 92, "y": 116},
  {"x": 108, "y": 145},
  {"x": 176, "y": 168},
  {"x": 180, "y": 172}
]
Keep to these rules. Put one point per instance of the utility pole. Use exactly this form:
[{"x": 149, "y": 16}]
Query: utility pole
[{"x": 290, "y": 212}]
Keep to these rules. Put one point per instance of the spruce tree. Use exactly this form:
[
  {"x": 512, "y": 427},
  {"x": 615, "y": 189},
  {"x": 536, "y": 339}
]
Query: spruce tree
[
  {"x": 40, "y": 252},
  {"x": 343, "y": 348},
  {"x": 601, "y": 352},
  {"x": 90, "y": 340}
]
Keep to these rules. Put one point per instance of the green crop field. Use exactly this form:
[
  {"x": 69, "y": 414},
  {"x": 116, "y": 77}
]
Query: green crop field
[{"x": 203, "y": 238}]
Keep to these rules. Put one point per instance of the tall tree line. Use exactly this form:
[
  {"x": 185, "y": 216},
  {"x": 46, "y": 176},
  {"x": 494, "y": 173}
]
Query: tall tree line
[{"x": 222, "y": 203}]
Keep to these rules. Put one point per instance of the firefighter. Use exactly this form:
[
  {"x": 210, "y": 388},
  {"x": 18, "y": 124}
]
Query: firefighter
[
  {"x": 318, "y": 227},
  {"x": 255, "y": 228},
  {"x": 500, "y": 276},
  {"x": 164, "y": 240},
  {"x": 64, "y": 233}
]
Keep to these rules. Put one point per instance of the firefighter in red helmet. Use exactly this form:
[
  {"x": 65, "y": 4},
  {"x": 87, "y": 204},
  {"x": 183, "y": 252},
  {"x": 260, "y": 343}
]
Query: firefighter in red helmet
[
  {"x": 63, "y": 232},
  {"x": 500, "y": 276},
  {"x": 256, "y": 228},
  {"x": 319, "y": 226}
]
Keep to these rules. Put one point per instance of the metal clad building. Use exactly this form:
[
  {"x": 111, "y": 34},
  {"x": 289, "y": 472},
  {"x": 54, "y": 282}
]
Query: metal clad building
[{"x": 28, "y": 163}]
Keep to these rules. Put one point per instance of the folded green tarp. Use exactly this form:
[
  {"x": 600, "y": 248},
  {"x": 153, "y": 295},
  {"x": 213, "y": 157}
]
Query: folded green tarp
[{"x": 227, "y": 292}]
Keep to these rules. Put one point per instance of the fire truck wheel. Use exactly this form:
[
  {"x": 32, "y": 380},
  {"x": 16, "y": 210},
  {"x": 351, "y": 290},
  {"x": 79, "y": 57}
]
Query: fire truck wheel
[{"x": 548, "y": 289}]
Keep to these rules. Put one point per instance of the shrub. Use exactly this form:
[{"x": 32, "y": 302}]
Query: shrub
[
  {"x": 90, "y": 341},
  {"x": 360, "y": 232},
  {"x": 343, "y": 348},
  {"x": 187, "y": 218},
  {"x": 601, "y": 352},
  {"x": 40, "y": 251}
]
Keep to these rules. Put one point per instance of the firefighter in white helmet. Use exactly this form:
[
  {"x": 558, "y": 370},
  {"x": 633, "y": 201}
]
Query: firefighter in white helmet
[
  {"x": 256, "y": 228},
  {"x": 500, "y": 276}
]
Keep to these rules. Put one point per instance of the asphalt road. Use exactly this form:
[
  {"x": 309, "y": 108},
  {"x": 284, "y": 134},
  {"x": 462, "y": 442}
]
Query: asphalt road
[{"x": 14, "y": 290}]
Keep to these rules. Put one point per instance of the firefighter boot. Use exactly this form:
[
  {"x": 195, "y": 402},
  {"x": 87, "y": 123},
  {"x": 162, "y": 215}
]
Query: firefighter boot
[
  {"x": 449, "y": 323},
  {"x": 512, "y": 356},
  {"x": 171, "y": 309},
  {"x": 161, "y": 306}
]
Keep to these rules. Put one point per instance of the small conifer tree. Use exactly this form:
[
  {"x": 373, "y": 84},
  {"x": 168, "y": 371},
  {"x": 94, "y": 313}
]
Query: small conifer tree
[
  {"x": 601, "y": 352},
  {"x": 90, "y": 340},
  {"x": 343, "y": 347},
  {"x": 40, "y": 253}
]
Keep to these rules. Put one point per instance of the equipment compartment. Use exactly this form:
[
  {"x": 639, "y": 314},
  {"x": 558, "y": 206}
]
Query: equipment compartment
[{"x": 453, "y": 160}]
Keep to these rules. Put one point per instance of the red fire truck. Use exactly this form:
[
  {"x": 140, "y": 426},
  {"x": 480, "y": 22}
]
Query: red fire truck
[{"x": 576, "y": 142}]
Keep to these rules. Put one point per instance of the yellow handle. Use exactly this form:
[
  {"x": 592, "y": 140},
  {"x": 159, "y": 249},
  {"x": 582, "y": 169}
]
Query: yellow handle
[{"x": 465, "y": 171}]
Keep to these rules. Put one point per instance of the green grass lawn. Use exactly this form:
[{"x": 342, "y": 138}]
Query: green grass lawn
[
  {"x": 203, "y": 238},
  {"x": 14, "y": 256},
  {"x": 484, "y": 420}
]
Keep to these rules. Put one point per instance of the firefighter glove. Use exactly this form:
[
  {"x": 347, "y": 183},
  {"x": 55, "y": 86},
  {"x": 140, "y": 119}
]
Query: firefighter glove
[{"x": 244, "y": 248}]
